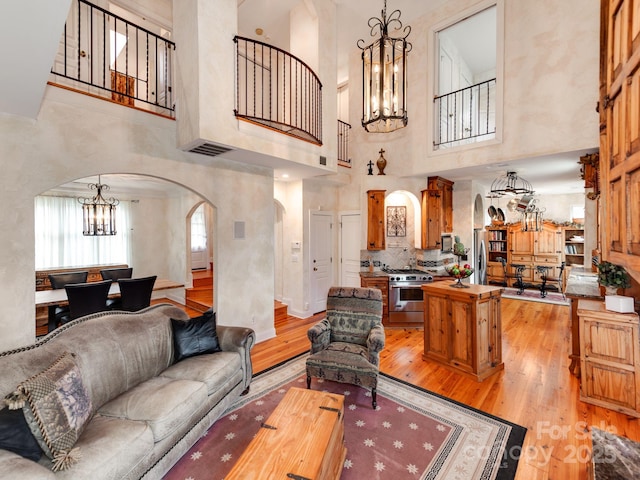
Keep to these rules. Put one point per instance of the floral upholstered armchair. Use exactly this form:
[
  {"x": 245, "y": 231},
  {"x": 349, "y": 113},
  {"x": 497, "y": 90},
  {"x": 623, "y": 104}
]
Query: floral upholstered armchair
[{"x": 346, "y": 345}]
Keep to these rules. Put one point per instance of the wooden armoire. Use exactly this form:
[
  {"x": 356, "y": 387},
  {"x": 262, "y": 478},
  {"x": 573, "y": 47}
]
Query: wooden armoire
[{"x": 619, "y": 109}]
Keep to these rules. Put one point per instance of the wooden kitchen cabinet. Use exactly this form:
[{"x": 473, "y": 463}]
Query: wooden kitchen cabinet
[
  {"x": 375, "y": 220},
  {"x": 619, "y": 109},
  {"x": 437, "y": 212},
  {"x": 462, "y": 328},
  {"x": 497, "y": 247},
  {"x": 609, "y": 358},
  {"x": 380, "y": 282},
  {"x": 532, "y": 249}
]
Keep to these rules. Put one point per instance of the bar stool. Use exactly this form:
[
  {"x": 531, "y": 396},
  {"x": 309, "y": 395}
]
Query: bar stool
[{"x": 519, "y": 283}]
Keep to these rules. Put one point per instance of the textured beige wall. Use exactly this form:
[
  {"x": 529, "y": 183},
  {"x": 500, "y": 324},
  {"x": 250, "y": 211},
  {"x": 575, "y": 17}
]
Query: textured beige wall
[{"x": 76, "y": 136}]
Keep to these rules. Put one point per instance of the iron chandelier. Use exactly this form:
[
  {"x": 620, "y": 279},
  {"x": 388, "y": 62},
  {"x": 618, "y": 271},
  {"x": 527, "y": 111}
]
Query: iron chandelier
[
  {"x": 98, "y": 213},
  {"x": 384, "y": 75}
]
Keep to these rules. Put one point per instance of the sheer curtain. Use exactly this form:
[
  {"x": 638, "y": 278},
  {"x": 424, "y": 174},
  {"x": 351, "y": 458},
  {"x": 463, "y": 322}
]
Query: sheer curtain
[
  {"x": 59, "y": 241},
  {"x": 198, "y": 229}
]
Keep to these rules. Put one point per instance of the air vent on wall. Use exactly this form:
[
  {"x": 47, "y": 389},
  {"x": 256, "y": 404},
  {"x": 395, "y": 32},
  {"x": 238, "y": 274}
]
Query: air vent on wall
[
  {"x": 210, "y": 149},
  {"x": 323, "y": 160}
]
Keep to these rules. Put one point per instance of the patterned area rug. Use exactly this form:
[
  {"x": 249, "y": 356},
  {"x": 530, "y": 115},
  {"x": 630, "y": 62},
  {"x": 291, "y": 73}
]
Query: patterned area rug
[
  {"x": 534, "y": 296},
  {"x": 413, "y": 434}
]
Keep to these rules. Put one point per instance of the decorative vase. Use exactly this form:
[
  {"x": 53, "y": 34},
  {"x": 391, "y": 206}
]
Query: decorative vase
[
  {"x": 381, "y": 163},
  {"x": 610, "y": 290}
]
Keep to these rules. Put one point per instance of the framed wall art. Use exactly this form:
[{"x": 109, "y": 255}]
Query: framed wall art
[{"x": 397, "y": 221}]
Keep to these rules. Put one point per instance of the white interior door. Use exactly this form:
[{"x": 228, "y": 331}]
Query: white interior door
[
  {"x": 350, "y": 249},
  {"x": 320, "y": 248}
]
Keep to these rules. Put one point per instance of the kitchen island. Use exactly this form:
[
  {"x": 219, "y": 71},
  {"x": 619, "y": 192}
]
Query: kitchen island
[{"x": 462, "y": 328}]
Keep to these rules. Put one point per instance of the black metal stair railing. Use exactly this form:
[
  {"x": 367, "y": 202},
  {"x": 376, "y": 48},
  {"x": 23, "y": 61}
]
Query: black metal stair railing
[
  {"x": 344, "y": 130},
  {"x": 466, "y": 115},
  {"x": 103, "y": 54},
  {"x": 277, "y": 90}
]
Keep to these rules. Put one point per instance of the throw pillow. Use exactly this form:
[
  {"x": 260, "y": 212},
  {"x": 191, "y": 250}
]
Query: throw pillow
[
  {"x": 57, "y": 407},
  {"x": 195, "y": 336},
  {"x": 16, "y": 436}
]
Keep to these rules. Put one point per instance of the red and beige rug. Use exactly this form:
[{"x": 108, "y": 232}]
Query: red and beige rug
[
  {"x": 533, "y": 295},
  {"x": 413, "y": 434}
]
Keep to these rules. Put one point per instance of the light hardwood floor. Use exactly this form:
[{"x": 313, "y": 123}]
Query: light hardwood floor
[{"x": 536, "y": 389}]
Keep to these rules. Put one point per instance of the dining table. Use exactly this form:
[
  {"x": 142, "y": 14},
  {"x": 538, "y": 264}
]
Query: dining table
[{"x": 47, "y": 298}]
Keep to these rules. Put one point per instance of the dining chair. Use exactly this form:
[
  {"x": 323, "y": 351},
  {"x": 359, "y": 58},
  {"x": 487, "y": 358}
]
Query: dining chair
[
  {"x": 135, "y": 293},
  {"x": 115, "y": 274},
  {"x": 58, "y": 281},
  {"x": 87, "y": 298}
]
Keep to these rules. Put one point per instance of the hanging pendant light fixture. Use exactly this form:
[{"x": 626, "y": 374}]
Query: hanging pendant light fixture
[
  {"x": 532, "y": 218},
  {"x": 384, "y": 75},
  {"x": 510, "y": 184},
  {"x": 98, "y": 213}
]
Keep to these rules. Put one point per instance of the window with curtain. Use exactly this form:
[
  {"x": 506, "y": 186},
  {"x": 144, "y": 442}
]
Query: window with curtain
[
  {"x": 198, "y": 229},
  {"x": 59, "y": 241}
]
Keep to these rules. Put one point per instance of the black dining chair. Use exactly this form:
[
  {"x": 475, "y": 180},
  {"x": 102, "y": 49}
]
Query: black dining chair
[
  {"x": 58, "y": 281},
  {"x": 135, "y": 293},
  {"x": 115, "y": 274},
  {"x": 87, "y": 298}
]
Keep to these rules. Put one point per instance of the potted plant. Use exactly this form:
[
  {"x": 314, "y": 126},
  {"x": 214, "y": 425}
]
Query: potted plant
[{"x": 612, "y": 277}]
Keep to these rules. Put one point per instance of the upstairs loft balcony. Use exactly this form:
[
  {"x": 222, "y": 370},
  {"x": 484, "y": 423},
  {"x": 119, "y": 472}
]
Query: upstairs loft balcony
[
  {"x": 277, "y": 90},
  {"x": 467, "y": 115},
  {"x": 105, "y": 55}
]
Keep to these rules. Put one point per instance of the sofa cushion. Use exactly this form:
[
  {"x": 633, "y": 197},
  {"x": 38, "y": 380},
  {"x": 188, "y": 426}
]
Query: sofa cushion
[
  {"x": 57, "y": 407},
  {"x": 111, "y": 448},
  {"x": 215, "y": 370},
  {"x": 163, "y": 403},
  {"x": 16, "y": 436},
  {"x": 195, "y": 336}
]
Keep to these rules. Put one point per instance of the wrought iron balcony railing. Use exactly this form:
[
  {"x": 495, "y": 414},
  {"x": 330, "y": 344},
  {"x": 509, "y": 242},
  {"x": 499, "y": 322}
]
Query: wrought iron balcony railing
[
  {"x": 465, "y": 116},
  {"x": 105, "y": 55},
  {"x": 277, "y": 90},
  {"x": 344, "y": 129}
]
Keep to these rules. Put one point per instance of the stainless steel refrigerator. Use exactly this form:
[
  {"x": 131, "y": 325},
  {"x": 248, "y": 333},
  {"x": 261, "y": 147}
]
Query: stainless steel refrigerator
[{"x": 480, "y": 254}]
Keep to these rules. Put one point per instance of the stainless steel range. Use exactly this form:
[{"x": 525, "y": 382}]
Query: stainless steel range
[{"x": 405, "y": 296}]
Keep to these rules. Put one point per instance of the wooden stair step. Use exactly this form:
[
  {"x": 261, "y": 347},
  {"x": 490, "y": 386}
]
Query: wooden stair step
[{"x": 280, "y": 311}]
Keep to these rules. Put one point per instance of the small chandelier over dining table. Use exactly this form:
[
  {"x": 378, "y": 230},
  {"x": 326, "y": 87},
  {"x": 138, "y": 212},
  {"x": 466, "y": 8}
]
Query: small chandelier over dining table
[
  {"x": 384, "y": 75},
  {"x": 98, "y": 213}
]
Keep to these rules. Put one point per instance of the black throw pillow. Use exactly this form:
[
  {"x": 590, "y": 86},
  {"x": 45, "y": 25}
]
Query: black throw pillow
[
  {"x": 16, "y": 436},
  {"x": 195, "y": 336}
]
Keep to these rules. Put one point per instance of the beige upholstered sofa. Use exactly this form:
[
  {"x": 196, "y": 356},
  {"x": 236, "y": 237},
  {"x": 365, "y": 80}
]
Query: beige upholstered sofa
[{"x": 144, "y": 409}]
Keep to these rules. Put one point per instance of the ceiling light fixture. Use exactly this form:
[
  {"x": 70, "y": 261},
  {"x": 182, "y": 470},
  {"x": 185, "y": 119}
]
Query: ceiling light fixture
[
  {"x": 98, "y": 213},
  {"x": 384, "y": 75},
  {"x": 510, "y": 184}
]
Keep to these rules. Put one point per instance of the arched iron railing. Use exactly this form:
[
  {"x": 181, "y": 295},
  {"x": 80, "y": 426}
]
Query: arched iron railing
[
  {"x": 106, "y": 55},
  {"x": 277, "y": 90}
]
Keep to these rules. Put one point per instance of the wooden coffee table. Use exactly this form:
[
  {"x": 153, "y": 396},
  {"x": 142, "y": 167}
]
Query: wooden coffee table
[{"x": 302, "y": 439}]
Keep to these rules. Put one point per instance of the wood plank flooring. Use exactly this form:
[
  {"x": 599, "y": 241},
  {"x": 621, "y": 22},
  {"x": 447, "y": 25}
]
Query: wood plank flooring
[{"x": 536, "y": 389}]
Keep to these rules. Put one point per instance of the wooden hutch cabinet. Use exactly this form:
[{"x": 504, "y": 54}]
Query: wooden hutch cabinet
[
  {"x": 532, "y": 249},
  {"x": 619, "y": 109},
  {"x": 375, "y": 220},
  {"x": 609, "y": 358},
  {"x": 437, "y": 212},
  {"x": 462, "y": 328}
]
